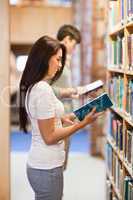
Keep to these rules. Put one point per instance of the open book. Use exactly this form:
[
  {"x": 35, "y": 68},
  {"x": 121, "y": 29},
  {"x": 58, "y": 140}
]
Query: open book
[
  {"x": 90, "y": 87},
  {"x": 101, "y": 103}
]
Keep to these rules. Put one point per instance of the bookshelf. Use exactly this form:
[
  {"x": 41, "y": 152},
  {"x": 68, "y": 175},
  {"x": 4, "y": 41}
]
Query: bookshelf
[{"x": 119, "y": 145}]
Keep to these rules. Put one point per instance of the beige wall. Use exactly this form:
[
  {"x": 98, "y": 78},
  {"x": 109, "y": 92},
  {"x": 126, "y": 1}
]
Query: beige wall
[
  {"x": 28, "y": 23},
  {"x": 4, "y": 100}
]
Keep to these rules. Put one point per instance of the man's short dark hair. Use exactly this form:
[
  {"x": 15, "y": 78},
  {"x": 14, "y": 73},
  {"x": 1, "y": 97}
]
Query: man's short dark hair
[{"x": 69, "y": 30}]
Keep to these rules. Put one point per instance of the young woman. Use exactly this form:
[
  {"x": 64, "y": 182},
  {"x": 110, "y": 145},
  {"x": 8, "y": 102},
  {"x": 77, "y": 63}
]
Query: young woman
[{"x": 46, "y": 113}]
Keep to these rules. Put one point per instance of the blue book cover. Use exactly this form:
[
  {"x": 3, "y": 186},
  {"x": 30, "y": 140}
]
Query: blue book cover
[{"x": 101, "y": 103}]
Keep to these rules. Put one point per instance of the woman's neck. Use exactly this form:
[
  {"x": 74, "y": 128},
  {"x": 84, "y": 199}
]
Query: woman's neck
[{"x": 46, "y": 78}]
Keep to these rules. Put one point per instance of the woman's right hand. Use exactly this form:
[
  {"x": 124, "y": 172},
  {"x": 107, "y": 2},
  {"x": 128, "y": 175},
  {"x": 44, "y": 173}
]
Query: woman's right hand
[{"x": 91, "y": 117}]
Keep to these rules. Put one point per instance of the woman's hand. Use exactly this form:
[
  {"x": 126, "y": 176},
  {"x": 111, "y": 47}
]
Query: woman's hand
[
  {"x": 91, "y": 117},
  {"x": 68, "y": 119}
]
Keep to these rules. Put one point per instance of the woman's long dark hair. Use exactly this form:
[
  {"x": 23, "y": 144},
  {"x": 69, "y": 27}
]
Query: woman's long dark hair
[{"x": 36, "y": 68}]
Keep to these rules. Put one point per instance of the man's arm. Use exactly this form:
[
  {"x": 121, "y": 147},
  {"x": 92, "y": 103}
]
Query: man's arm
[{"x": 64, "y": 92}]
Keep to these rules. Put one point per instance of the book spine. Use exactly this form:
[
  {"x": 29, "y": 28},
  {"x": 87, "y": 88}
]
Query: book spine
[
  {"x": 132, "y": 49},
  {"x": 129, "y": 51}
]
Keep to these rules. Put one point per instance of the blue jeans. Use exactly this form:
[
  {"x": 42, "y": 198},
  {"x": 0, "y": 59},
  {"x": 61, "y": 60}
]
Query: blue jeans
[{"x": 47, "y": 184}]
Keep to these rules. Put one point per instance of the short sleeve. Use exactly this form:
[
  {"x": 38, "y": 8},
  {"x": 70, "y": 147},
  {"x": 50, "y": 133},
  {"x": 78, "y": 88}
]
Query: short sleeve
[
  {"x": 57, "y": 91},
  {"x": 45, "y": 107}
]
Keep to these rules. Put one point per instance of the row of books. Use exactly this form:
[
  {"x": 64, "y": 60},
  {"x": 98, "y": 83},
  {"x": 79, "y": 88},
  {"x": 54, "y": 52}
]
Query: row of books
[
  {"x": 116, "y": 50},
  {"x": 114, "y": 17},
  {"x": 123, "y": 184},
  {"x": 116, "y": 7},
  {"x": 116, "y": 130},
  {"x": 122, "y": 137},
  {"x": 128, "y": 149},
  {"x": 117, "y": 173},
  {"x": 116, "y": 91},
  {"x": 130, "y": 51},
  {"x": 128, "y": 190},
  {"x": 130, "y": 8}
]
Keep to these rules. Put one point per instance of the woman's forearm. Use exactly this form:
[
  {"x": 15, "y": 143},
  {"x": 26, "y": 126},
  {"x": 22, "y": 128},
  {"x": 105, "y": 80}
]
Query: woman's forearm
[{"x": 61, "y": 133}]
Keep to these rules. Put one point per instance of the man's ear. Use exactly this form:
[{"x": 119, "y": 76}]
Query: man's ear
[{"x": 66, "y": 39}]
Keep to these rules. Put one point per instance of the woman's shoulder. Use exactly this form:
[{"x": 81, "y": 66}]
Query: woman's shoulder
[
  {"x": 41, "y": 85},
  {"x": 42, "y": 88}
]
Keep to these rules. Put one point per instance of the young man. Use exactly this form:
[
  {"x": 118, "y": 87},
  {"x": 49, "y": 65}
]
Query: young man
[{"x": 70, "y": 36}]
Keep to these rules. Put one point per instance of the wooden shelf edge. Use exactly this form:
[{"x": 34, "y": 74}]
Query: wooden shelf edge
[
  {"x": 110, "y": 141},
  {"x": 122, "y": 71},
  {"x": 119, "y": 27},
  {"x": 116, "y": 29},
  {"x": 121, "y": 158},
  {"x": 114, "y": 187},
  {"x": 122, "y": 115},
  {"x": 113, "y": 69},
  {"x": 129, "y": 24}
]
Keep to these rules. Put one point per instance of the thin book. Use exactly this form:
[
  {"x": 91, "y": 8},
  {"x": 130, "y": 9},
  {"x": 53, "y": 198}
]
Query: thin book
[
  {"x": 90, "y": 87},
  {"x": 101, "y": 103}
]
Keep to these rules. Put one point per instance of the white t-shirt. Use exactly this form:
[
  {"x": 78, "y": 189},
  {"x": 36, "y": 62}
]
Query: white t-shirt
[{"x": 41, "y": 103}]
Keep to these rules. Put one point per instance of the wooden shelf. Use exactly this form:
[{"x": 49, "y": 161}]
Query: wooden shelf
[
  {"x": 122, "y": 71},
  {"x": 123, "y": 115},
  {"x": 117, "y": 28},
  {"x": 120, "y": 28},
  {"x": 119, "y": 49},
  {"x": 120, "y": 156},
  {"x": 114, "y": 187},
  {"x": 115, "y": 70},
  {"x": 129, "y": 72},
  {"x": 129, "y": 24},
  {"x": 112, "y": 143}
]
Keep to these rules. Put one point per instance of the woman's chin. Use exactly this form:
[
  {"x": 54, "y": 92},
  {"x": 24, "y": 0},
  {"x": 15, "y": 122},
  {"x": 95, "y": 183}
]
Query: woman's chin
[{"x": 53, "y": 75}]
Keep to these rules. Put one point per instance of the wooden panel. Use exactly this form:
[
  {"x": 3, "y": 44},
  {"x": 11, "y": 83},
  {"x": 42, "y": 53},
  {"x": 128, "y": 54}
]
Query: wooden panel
[
  {"x": 4, "y": 101},
  {"x": 30, "y": 22}
]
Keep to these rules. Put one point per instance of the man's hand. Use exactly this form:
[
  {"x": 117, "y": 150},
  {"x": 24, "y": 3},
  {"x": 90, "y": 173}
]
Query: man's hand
[
  {"x": 68, "y": 119},
  {"x": 68, "y": 93}
]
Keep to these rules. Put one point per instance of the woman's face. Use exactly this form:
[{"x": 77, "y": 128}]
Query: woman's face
[{"x": 55, "y": 63}]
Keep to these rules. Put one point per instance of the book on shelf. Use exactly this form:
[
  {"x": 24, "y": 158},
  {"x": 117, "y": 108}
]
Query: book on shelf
[
  {"x": 116, "y": 130},
  {"x": 116, "y": 50},
  {"x": 130, "y": 8},
  {"x": 101, "y": 103},
  {"x": 129, "y": 97},
  {"x": 113, "y": 14},
  {"x": 123, "y": 183},
  {"x": 128, "y": 188},
  {"x": 129, "y": 147},
  {"x": 90, "y": 87},
  {"x": 122, "y": 10},
  {"x": 130, "y": 51},
  {"x": 116, "y": 90}
]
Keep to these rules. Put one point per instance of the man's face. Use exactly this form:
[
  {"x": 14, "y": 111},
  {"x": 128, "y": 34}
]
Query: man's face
[{"x": 70, "y": 44}]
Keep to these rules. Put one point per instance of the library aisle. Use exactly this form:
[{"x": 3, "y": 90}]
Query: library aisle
[{"x": 81, "y": 180}]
